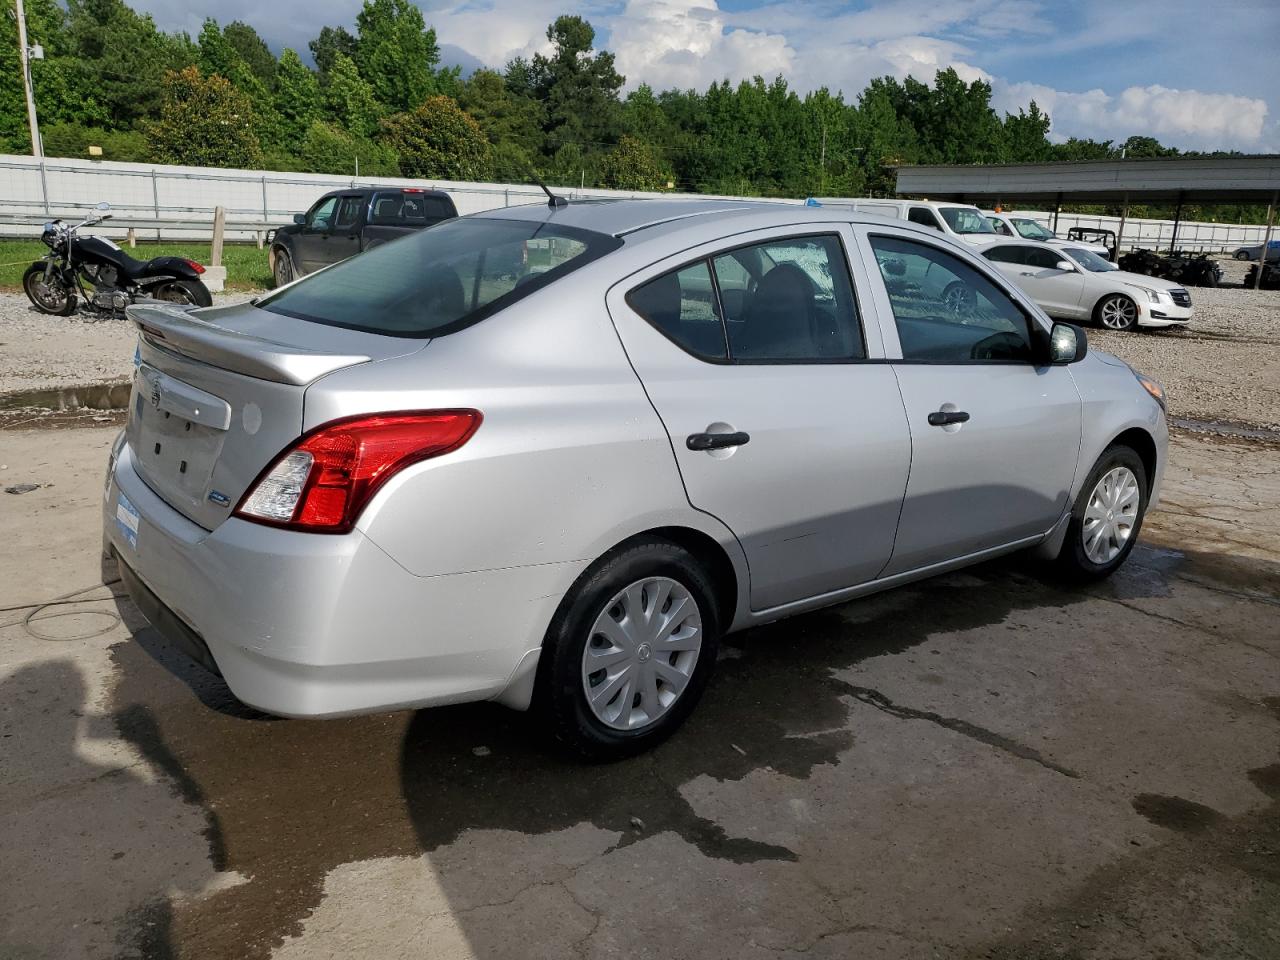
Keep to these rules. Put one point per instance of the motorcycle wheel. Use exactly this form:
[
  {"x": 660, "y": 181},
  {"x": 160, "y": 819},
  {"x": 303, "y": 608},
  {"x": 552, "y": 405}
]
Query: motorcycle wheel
[
  {"x": 53, "y": 297},
  {"x": 184, "y": 291}
]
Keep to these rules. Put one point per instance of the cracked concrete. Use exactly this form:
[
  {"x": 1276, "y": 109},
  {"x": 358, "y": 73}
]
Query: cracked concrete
[{"x": 986, "y": 764}]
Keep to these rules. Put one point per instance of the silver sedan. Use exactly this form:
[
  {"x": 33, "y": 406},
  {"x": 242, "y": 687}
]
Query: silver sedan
[{"x": 549, "y": 455}]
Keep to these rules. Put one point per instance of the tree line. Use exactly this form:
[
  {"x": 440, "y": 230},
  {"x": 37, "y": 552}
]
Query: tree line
[{"x": 379, "y": 100}]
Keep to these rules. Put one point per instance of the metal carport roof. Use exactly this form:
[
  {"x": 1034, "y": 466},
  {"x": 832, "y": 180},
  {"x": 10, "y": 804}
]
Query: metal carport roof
[{"x": 1173, "y": 179}]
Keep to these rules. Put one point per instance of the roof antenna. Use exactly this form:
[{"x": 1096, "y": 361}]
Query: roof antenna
[{"x": 553, "y": 201}]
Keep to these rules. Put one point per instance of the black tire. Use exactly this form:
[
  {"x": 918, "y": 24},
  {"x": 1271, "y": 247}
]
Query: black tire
[
  {"x": 959, "y": 299},
  {"x": 33, "y": 282},
  {"x": 1073, "y": 560},
  {"x": 1243, "y": 256},
  {"x": 183, "y": 291},
  {"x": 560, "y": 697},
  {"x": 1120, "y": 302},
  {"x": 283, "y": 271}
]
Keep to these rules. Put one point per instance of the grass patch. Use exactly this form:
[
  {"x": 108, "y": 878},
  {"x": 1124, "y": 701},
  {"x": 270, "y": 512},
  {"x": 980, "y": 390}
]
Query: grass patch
[{"x": 246, "y": 264}]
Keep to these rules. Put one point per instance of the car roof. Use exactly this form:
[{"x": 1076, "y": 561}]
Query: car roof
[{"x": 646, "y": 219}]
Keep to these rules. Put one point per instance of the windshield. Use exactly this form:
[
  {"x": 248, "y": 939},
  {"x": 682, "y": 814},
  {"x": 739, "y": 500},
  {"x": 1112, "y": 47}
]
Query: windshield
[
  {"x": 1088, "y": 259},
  {"x": 1031, "y": 230},
  {"x": 965, "y": 220},
  {"x": 440, "y": 279}
]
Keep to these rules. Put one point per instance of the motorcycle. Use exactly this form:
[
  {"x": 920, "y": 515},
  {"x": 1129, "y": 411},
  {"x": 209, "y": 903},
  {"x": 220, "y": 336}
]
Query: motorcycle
[{"x": 96, "y": 270}]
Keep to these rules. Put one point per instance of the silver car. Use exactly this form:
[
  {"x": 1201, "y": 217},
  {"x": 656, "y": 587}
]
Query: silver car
[{"x": 549, "y": 455}]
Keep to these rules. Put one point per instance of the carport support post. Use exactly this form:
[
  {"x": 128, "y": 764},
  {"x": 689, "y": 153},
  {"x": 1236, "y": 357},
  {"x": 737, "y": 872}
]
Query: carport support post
[
  {"x": 1124, "y": 215},
  {"x": 1177, "y": 219},
  {"x": 1266, "y": 239},
  {"x": 1057, "y": 208}
]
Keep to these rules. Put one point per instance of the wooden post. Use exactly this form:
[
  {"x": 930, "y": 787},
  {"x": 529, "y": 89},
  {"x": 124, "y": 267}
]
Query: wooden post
[
  {"x": 1266, "y": 240},
  {"x": 219, "y": 227},
  {"x": 132, "y": 236},
  {"x": 258, "y": 235}
]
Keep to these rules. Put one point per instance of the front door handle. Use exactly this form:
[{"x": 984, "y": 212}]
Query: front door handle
[
  {"x": 940, "y": 418},
  {"x": 716, "y": 441}
]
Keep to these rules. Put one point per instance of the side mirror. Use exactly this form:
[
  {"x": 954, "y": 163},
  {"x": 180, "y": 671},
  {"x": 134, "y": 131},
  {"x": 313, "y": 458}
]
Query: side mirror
[
  {"x": 1066, "y": 266},
  {"x": 300, "y": 218},
  {"x": 104, "y": 205},
  {"x": 1067, "y": 343}
]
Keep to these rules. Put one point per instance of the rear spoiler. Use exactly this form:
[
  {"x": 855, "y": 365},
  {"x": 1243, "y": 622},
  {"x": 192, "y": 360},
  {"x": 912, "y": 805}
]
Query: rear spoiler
[{"x": 172, "y": 328}]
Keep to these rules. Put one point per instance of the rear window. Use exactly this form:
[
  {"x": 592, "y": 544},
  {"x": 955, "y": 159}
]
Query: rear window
[
  {"x": 440, "y": 279},
  {"x": 398, "y": 208}
]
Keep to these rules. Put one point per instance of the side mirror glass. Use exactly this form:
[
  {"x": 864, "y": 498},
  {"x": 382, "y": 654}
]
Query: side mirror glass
[
  {"x": 299, "y": 218},
  {"x": 1067, "y": 343}
]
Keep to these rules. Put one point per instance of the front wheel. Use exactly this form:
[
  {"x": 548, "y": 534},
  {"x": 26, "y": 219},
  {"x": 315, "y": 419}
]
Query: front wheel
[
  {"x": 191, "y": 292},
  {"x": 629, "y": 652},
  {"x": 53, "y": 297},
  {"x": 1116, "y": 312},
  {"x": 1241, "y": 255},
  {"x": 283, "y": 272},
  {"x": 959, "y": 299},
  {"x": 1106, "y": 517}
]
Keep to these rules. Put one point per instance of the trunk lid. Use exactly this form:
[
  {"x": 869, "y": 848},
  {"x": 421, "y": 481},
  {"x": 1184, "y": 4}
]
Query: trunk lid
[{"x": 218, "y": 394}]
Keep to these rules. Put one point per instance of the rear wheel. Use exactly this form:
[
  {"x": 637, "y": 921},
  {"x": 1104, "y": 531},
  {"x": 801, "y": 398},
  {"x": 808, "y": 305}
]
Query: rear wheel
[
  {"x": 1241, "y": 255},
  {"x": 630, "y": 651},
  {"x": 184, "y": 291},
  {"x": 53, "y": 297},
  {"x": 1106, "y": 517},
  {"x": 1116, "y": 312}
]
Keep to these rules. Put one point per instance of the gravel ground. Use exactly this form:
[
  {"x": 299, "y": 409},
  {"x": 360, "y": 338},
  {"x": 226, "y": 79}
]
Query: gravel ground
[
  {"x": 39, "y": 352},
  {"x": 1224, "y": 367}
]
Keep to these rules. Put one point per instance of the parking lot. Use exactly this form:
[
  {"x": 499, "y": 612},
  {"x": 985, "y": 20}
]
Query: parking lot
[{"x": 989, "y": 764}]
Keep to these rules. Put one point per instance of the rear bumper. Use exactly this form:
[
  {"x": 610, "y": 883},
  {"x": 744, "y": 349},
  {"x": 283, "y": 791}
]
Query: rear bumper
[{"x": 307, "y": 625}]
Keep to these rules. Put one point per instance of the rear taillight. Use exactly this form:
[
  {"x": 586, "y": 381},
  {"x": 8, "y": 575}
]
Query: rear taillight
[
  {"x": 197, "y": 267},
  {"x": 323, "y": 482}
]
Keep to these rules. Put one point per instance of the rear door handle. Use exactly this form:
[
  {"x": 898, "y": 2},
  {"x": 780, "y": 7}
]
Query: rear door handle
[
  {"x": 940, "y": 418},
  {"x": 716, "y": 441}
]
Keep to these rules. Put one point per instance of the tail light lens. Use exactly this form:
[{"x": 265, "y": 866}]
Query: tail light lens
[
  {"x": 197, "y": 267},
  {"x": 323, "y": 482}
]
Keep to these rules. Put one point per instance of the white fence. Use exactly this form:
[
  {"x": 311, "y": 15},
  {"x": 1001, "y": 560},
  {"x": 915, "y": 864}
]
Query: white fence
[{"x": 182, "y": 200}]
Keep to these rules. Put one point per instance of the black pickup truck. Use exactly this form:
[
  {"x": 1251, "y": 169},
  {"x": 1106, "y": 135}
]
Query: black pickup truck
[{"x": 345, "y": 222}]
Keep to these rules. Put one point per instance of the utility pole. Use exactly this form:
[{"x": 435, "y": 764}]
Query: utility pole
[
  {"x": 823, "y": 163},
  {"x": 37, "y": 149}
]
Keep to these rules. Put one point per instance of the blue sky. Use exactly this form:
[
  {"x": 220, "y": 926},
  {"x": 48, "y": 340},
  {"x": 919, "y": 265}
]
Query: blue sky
[{"x": 1193, "y": 73}]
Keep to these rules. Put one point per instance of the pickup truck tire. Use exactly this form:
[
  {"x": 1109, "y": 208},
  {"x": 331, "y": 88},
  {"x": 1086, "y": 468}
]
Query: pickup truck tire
[{"x": 283, "y": 272}]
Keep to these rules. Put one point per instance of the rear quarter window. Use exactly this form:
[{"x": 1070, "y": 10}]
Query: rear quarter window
[{"x": 397, "y": 208}]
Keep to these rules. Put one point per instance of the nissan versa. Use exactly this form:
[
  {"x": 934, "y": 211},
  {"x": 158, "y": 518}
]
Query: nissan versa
[{"x": 549, "y": 455}]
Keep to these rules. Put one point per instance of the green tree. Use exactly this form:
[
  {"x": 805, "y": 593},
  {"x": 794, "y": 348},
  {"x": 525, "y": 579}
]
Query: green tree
[
  {"x": 296, "y": 97},
  {"x": 579, "y": 87},
  {"x": 253, "y": 50},
  {"x": 1146, "y": 147},
  {"x": 1026, "y": 135},
  {"x": 438, "y": 140},
  {"x": 349, "y": 100},
  {"x": 397, "y": 53},
  {"x": 631, "y": 165},
  {"x": 74, "y": 140},
  {"x": 204, "y": 121},
  {"x": 326, "y": 47},
  {"x": 220, "y": 57},
  {"x": 511, "y": 123},
  {"x": 327, "y": 149},
  {"x": 123, "y": 58}
]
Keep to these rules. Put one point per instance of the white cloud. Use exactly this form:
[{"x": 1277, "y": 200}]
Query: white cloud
[
  {"x": 1189, "y": 118},
  {"x": 687, "y": 43}
]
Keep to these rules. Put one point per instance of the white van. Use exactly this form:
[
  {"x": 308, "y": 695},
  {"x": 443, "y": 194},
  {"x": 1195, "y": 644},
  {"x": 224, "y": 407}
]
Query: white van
[{"x": 962, "y": 220}]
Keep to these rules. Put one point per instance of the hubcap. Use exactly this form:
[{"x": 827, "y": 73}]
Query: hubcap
[
  {"x": 1117, "y": 313},
  {"x": 1111, "y": 515},
  {"x": 642, "y": 650},
  {"x": 959, "y": 300}
]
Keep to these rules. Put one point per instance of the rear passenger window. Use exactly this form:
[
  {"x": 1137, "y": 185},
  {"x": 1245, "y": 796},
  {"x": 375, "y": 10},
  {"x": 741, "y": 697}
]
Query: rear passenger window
[
  {"x": 682, "y": 305},
  {"x": 348, "y": 213},
  {"x": 1006, "y": 254},
  {"x": 945, "y": 310},
  {"x": 783, "y": 301},
  {"x": 409, "y": 209}
]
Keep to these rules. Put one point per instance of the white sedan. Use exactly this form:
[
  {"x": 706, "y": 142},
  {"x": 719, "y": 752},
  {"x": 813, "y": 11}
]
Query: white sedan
[{"x": 1072, "y": 283}]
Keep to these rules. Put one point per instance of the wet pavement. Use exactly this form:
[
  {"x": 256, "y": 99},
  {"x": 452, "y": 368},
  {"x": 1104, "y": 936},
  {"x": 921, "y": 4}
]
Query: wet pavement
[{"x": 987, "y": 764}]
